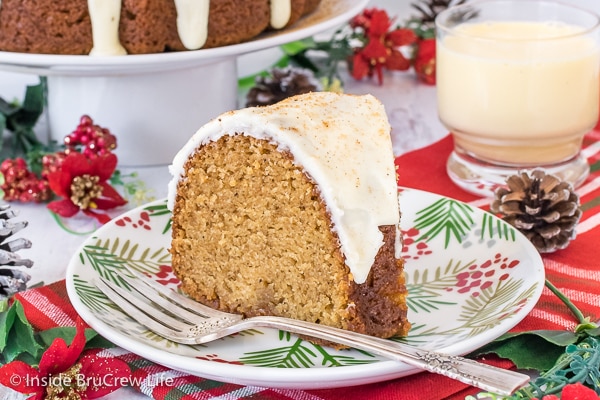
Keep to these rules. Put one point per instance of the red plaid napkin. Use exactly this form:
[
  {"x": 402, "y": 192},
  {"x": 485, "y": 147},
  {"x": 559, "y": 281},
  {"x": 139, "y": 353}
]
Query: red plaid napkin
[{"x": 573, "y": 270}]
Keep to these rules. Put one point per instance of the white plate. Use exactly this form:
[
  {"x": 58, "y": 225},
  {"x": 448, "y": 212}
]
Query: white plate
[
  {"x": 469, "y": 282},
  {"x": 329, "y": 14}
]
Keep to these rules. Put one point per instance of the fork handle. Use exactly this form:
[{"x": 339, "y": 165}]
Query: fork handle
[{"x": 471, "y": 372}]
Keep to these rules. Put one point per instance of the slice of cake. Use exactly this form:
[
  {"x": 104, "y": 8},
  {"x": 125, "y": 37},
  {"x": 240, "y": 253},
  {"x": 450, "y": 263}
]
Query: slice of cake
[{"x": 292, "y": 210}]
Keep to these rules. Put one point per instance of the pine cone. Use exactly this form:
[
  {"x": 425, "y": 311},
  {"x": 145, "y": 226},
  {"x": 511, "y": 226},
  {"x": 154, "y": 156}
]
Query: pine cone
[
  {"x": 281, "y": 84},
  {"x": 545, "y": 209},
  {"x": 429, "y": 9},
  {"x": 12, "y": 280}
]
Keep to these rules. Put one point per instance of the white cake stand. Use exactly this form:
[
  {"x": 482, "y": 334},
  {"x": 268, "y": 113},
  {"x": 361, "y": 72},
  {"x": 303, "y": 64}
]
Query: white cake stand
[{"x": 153, "y": 103}]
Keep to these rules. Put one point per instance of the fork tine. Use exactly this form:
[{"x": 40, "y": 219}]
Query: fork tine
[
  {"x": 182, "y": 301},
  {"x": 149, "y": 292},
  {"x": 133, "y": 312},
  {"x": 141, "y": 306}
]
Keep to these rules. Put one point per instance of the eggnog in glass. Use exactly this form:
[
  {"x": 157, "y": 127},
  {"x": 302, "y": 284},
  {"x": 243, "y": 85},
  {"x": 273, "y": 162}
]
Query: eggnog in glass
[{"x": 518, "y": 87}]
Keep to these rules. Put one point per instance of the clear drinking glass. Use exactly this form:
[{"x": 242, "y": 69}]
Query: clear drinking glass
[{"x": 518, "y": 86}]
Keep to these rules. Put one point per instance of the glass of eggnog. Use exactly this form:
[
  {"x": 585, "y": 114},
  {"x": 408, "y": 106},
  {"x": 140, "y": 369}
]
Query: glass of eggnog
[{"x": 518, "y": 87}]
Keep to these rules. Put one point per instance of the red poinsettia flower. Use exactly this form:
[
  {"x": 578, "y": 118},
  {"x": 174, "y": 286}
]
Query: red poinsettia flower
[
  {"x": 425, "y": 61},
  {"x": 63, "y": 374},
  {"x": 83, "y": 184},
  {"x": 382, "y": 48}
]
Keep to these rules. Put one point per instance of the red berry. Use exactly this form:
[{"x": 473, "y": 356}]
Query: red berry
[
  {"x": 85, "y": 120},
  {"x": 22, "y": 184},
  {"x": 90, "y": 139}
]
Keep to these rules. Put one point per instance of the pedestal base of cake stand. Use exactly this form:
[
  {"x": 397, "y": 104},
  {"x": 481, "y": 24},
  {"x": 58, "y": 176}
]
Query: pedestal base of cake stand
[{"x": 152, "y": 114}]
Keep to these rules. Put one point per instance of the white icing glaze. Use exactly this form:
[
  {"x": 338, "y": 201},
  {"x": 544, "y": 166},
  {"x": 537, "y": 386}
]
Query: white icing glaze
[
  {"x": 192, "y": 22},
  {"x": 343, "y": 143},
  {"x": 192, "y": 25},
  {"x": 281, "y": 12},
  {"x": 105, "y": 15}
]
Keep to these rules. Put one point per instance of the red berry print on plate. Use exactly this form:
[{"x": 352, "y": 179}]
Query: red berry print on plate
[
  {"x": 165, "y": 276},
  {"x": 412, "y": 247},
  {"x": 477, "y": 278},
  {"x": 142, "y": 221}
]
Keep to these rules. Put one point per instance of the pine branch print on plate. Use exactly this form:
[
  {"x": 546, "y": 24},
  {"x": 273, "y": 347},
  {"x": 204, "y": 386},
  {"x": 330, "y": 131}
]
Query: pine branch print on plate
[
  {"x": 164, "y": 342},
  {"x": 296, "y": 355},
  {"x": 341, "y": 359},
  {"x": 428, "y": 292},
  {"x": 101, "y": 260},
  {"x": 303, "y": 354},
  {"x": 108, "y": 256},
  {"x": 494, "y": 304},
  {"x": 91, "y": 296},
  {"x": 420, "y": 299},
  {"x": 493, "y": 227},
  {"x": 452, "y": 218},
  {"x": 419, "y": 334}
]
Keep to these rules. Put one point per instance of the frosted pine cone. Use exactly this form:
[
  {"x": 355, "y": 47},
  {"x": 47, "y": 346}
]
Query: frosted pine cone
[
  {"x": 545, "y": 209},
  {"x": 281, "y": 84},
  {"x": 12, "y": 280}
]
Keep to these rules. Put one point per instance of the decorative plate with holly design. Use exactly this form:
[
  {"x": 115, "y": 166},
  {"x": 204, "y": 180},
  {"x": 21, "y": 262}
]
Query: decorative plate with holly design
[{"x": 471, "y": 277}]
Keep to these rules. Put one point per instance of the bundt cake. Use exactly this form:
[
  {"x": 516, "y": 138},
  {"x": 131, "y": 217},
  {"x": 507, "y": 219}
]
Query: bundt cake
[
  {"x": 292, "y": 210},
  {"x": 113, "y": 27}
]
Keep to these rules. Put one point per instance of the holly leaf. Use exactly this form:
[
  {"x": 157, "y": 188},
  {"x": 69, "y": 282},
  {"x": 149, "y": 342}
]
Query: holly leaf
[
  {"x": 97, "y": 342},
  {"x": 548, "y": 345},
  {"x": 19, "y": 340},
  {"x": 67, "y": 333},
  {"x": 20, "y": 119},
  {"x": 18, "y": 335},
  {"x": 592, "y": 331},
  {"x": 6, "y": 322},
  {"x": 33, "y": 103},
  {"x": 7, "y": 108},
  {"x": 28, "y": 359}
]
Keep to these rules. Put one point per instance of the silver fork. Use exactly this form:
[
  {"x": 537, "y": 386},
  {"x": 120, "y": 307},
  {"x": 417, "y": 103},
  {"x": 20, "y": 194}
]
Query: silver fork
[{"x": 183, "y": 320}]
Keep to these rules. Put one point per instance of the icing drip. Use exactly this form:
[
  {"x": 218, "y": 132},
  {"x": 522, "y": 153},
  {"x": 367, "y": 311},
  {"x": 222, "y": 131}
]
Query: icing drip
[
  {"x": 192, "y": 22},
  {"x": 105, "y": 15},
  {"x": 281, "y": 11}
]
